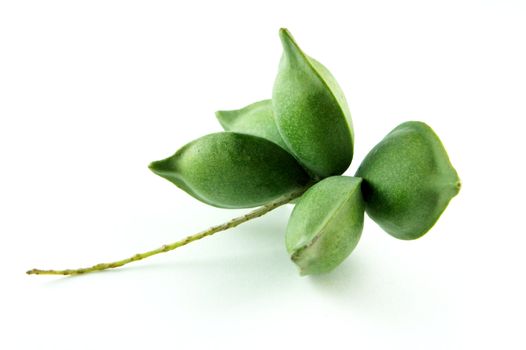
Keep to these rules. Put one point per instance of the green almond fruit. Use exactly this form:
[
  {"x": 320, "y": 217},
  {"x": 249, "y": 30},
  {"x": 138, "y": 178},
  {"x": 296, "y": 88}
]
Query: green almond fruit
[
  {"x": 326, "y": 224},
  {"x": 408, "y": 180},
  {"x": 231, "y": 170},
  {"x": 311, "y": 112},
  {"x": 256, "y": 119}
]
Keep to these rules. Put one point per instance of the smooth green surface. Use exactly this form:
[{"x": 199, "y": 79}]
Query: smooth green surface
[
  {"x": 255, "y": 119},
  {"x": 408, "y": 180},
  {"x": 311, "y": 112},
  {"x": 231, "y": 170},
  {"x": 326, "y": 224}
]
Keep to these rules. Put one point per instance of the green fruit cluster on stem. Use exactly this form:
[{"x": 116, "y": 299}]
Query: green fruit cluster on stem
[{"x": 293, "y": 149}]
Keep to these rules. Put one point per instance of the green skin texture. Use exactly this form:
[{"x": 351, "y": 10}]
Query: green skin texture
[
  {"x": 288, "y": 150},
  {"x": 231, "y": 170},
  {"x": 256, "y": 119},
  {"x": 326, "y": 224},
  {"x": 311, "y": 113},
  {"x": 408, "y": 180}
]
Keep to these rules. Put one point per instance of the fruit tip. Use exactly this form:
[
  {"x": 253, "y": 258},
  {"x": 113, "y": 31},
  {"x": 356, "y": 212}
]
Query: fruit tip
[{"x": 284, "y": 34}]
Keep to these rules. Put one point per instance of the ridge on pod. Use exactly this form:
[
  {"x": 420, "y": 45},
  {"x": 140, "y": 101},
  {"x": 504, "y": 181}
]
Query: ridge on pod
[{"x": 326, "y": 224}]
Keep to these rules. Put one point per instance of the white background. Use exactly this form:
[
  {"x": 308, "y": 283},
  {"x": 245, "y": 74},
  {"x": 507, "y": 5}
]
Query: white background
[{"x": 91, "y": 92}]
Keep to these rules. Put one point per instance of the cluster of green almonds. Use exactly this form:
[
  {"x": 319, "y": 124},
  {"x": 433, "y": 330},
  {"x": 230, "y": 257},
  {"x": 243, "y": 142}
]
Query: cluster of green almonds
[{"x": 303, "y": 138}]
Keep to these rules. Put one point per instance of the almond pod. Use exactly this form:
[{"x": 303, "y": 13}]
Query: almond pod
[
  {"x": 408, "y": 180},
  {"x": 326, "y": 224},
  {"x": 311, "y": 112},
  {"x": 256, "y": 119},
  {"x": 231, "y": 170}
]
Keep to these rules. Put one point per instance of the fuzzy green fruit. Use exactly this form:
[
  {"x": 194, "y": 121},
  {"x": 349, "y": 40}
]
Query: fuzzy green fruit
[
  {"x": 408, "y": 180},
  {"x": 231, "y": 170},
  {"x": 311, "y": 112},
  {"x": 326, "y": 224},
  {"x": 255, "y": 119}
]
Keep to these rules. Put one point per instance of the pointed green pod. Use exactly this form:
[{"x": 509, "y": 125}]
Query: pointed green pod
[
  {"x": 408, "y": 180},
  {"x": 256, "y": 119},
  {"x": 326, "y": 224},
  {"x": 311, "y": 112},
  {"x": 231, "y": 170}
]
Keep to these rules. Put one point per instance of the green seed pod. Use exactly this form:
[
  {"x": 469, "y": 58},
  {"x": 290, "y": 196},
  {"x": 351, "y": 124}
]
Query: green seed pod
[
  {"x": 311, "y": 112},
  {"x": 408, "y": 181},
  {"x": 256, "y": 119},
  {"x": 326, "y": 224},
  {"x": 231, "y": 170}
]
